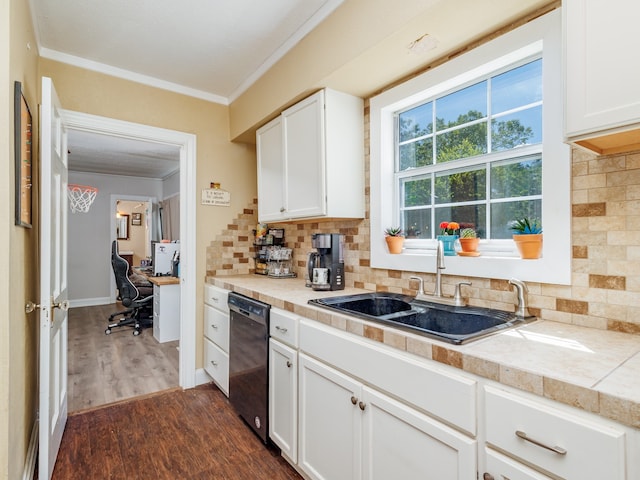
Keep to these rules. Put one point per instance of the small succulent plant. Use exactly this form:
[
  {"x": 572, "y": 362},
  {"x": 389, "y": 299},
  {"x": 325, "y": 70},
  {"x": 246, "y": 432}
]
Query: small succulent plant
[
  {"x": 468, "y": 233},
  {"x": 526, "y": 226},
  {"x": 394, "y": 232}
]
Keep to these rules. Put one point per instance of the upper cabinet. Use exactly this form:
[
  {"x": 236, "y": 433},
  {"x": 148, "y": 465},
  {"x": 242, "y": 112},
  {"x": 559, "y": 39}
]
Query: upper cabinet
[
  {"x": 311, "y": 160},
  {"x": 602, "y": 110}
]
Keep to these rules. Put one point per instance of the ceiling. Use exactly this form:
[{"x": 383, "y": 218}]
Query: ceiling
[{"x": 210, "y": 49}]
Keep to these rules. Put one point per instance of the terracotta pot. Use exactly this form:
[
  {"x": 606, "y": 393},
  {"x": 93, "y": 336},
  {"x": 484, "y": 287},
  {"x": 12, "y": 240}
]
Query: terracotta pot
[
  {"x": 469, "y": 244},
  {"x": 529, "y": 246},
  {"x": 394, "y": 244}
]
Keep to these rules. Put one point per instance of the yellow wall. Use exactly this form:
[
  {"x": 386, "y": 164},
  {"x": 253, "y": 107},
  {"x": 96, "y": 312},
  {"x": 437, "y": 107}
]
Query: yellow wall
[
  {"x": 18, "y": 344},
  {"x": 219, "y": 160}
]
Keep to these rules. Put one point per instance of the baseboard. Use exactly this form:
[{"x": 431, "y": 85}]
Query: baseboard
[
  {"x": 89, "y": 302},
  {"x": 32, "y": 454},
  {"x": 202, "y": 377}
]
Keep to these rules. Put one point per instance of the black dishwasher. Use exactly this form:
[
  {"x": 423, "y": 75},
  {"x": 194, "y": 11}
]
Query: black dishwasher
[{"x": 249, "y": 361}]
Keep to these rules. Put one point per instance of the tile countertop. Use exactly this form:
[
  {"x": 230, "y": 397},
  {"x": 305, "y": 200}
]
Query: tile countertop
[{"x": 594, "y": 370}]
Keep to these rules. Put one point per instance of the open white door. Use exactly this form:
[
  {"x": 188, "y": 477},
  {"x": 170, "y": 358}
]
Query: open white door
[{"x": 53, "y": 280}]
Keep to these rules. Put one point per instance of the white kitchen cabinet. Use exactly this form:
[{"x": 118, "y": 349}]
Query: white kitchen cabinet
[
  {"x": 330, "y": 422},
  {"x": 563, "y": 443},
  {"x": 283, "y": 398},
  {"x": 351, "y": 431},
  {"x": 500, "y": 467},
  {"x": 311, "y": 160},
  {"x": 216, "y": 336},
  {"x": 602, "y": 110},
  {"x": 166, "y": 312}
]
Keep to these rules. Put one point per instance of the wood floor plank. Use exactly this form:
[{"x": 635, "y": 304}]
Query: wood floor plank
[
  {"x": 109, "y": 368},
  {"x": 191, "y": 434}
]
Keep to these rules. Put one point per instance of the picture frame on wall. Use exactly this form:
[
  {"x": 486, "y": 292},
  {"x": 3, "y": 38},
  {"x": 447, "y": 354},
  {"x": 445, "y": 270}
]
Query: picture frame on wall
[
  {"x": 23, "y": 158},
  {"x": 136, "y": 219}
]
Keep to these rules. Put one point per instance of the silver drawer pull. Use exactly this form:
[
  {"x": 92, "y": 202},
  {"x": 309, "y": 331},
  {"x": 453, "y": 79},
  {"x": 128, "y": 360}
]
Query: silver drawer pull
[
  {"x": 214, "y": 326},
  {"x": 215, "y": 364},
  {"x": 289, "y": 364},
  {"x": 281, "y": 329},
  {"x": 523, "y": 435},
  {"x": 214, "y": 300}
]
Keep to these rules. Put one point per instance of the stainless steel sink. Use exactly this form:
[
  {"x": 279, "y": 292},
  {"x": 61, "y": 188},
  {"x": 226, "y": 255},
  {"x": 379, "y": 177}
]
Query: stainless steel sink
[{"x": 452, "y": 324}]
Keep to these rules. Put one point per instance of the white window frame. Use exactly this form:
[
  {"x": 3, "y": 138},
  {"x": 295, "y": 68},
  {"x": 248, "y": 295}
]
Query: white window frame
[{"x": 499, "y": 258}]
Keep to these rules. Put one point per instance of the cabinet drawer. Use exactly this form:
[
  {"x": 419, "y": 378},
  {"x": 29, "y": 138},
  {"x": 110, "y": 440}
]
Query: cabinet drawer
[
  {"x": 216, "y": 364},
  {"x": 283, "y": 325},
  {"x": 216, "y": 297},
  {"x": 592, "y": 449},
  {"x": 500, "y": 467},
  {"x": 216, "y": 327}
]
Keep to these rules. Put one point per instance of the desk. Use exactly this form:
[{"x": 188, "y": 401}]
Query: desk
[{"x": 166, "y": 307}]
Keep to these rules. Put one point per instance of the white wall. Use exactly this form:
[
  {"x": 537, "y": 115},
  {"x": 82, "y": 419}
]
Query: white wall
[{"x": 89, "y": 255}]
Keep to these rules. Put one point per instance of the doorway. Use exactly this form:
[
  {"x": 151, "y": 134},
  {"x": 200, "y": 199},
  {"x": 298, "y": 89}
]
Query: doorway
[{"x": 186, "y": 144}]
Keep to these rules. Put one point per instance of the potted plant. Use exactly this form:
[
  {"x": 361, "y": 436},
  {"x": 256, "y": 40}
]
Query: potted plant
[
  {"x": 527, "y": 233},
  {"x": 448, "y": 236},
  {"x": 395, "y": 239},
  {"x": 468, "y": 241}
]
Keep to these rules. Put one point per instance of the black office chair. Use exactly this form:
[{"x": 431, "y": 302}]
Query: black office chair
[{"x": 138, "y": 301}]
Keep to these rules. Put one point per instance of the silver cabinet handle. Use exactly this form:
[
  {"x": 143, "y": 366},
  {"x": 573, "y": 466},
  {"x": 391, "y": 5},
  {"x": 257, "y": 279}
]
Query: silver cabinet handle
[
  {"x": 525, "y": 437},
  {"x": 215, "y": 364},
  {"x": 281, "y": 329},
  {"x": 289, "y": 364},
  {"x": 214, "y": 326},
  {"x": 354, "y": 400},
  {"x": 362, "y": 406},
  {"x": 282, "y": 209},
  {"x": 214, "y": 300},
  {"x": 487, "y": 476}
]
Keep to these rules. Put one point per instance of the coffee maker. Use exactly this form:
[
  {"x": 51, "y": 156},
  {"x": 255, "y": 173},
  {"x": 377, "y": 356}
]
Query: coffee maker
[{"x": 325, "y": 266}]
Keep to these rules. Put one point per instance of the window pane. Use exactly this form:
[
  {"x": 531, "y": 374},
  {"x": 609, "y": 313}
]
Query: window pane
[
  {"x": 417, "y": 192},
  {"x": 520, "y": 128},
  {"x": 462, "y": 106},
  {"x": 517, "y": 178},
  {"x": 460, "y": 186},
  {"x": 417, "y": 223},
  {"x": 462, "y": 143},
  {"x": 416, "y": 122},
  {"x": 468, "y": 216},
  {"x": 517, "y": 87},
  {"x": 502, "y": 214},
  {"x": 416, "y": 154}
]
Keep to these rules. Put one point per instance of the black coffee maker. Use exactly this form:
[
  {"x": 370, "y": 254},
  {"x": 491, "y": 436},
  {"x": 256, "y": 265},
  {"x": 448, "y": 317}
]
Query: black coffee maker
[{"x": 325, "y": 266}]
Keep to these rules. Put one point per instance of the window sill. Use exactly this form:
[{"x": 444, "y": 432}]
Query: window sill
[{"x": 487, "y": 265}]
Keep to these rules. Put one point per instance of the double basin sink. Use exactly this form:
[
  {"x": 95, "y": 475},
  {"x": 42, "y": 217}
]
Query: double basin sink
[{"x": 451, "y": 324}]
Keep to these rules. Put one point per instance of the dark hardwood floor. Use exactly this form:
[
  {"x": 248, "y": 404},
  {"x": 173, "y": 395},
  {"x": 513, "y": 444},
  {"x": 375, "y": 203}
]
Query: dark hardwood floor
[
  {"x": 109, "y": 368},
  {"x": 190, "y": 434}
]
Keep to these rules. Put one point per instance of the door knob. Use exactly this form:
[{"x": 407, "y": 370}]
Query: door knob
[
  {"x": 64, "y": 305},
  {"x": 30, "y": 307}
]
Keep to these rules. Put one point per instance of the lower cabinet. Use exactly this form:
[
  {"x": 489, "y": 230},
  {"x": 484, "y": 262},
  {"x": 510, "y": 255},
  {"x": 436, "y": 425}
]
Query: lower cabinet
[
  {"x": 283, "y": 398},
  {"x": 351, "y": 431}
]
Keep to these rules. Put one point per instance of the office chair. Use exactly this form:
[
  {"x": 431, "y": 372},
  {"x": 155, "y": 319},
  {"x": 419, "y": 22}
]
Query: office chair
[{"x": 138, "y": 301}]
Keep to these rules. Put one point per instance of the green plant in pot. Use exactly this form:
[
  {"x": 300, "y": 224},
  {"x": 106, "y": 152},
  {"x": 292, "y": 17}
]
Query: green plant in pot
[
  {"x": 469, "y": 242},
  {"x": 527, "y": 233},
  {"x": 395, "y": 239}
]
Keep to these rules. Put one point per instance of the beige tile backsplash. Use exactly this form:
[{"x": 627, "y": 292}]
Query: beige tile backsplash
[{"x": 605, "y": 290}]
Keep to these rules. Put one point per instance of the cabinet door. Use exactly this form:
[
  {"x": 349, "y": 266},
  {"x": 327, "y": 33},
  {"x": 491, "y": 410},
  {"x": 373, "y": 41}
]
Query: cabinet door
[
  {"x": 304, "y": 153},
  {"x": 283, "y": 398},
  {"x": 330, "y": 422},
  {"x": 216, "y": 327},
  {"x": 271, "y": 199},
  {"x": 400, "y": 442},
  {"x": 601, "y": 78},
  {"x": 216, "y": 364}
]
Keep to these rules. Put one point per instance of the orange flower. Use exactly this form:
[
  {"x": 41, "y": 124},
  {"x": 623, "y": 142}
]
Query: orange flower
[{"x": 449, "y": 228}]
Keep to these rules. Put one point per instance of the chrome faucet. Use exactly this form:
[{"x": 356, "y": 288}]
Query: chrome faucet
[
  {"x": 437, "y": 292},
  {"x": 521, "y": 291}
]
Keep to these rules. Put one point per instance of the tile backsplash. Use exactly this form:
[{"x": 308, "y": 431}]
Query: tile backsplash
[{"x": 605, "y": 288}]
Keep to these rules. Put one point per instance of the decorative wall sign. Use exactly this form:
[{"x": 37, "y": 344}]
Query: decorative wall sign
[
  {"x": 216, "y": 197},
  {"x": 23, "y": 157},
  {"x": 136, "y": 219}
]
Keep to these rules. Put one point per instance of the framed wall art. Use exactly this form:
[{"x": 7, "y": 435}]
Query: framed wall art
[
  {"x": 23, "y": 157},
  {"x": 136, "y": 219}
]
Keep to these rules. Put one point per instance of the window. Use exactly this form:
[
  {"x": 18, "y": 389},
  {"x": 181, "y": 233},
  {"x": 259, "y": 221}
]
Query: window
[
  {"x": 485, "y": 127},
  {"x": 477, "y": 140}
]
